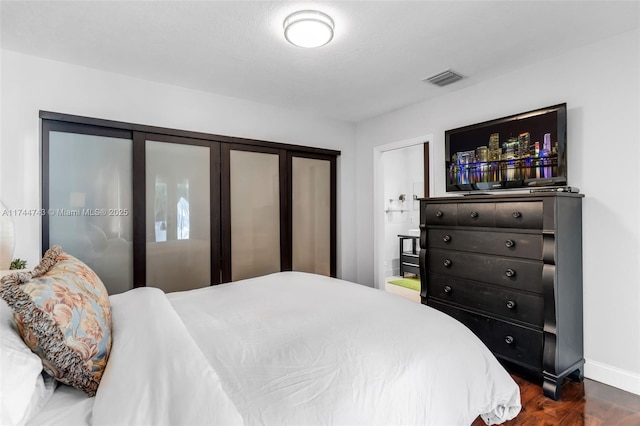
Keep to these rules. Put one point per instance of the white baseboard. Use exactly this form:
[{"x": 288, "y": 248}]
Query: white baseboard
[{"x": 612, "y": 376}]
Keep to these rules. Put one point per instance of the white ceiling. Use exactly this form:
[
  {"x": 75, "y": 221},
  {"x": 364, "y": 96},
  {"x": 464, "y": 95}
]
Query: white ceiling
[{"x": 379, "y": 55}]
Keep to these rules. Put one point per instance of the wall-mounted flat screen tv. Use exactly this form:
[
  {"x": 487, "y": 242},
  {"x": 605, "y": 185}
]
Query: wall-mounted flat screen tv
[{"x": 526, "y": 150}]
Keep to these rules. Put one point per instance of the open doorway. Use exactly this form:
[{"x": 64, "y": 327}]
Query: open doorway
[{"x": 402, "y": 176}]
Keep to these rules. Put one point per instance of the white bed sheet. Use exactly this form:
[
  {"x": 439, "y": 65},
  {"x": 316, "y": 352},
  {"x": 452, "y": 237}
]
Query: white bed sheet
[
  {"x": 288, "y": 348},
  {"x": 67, "y": 406},
  {"x": 302, "y": 349},
  {"x": 156, "y": 374}
]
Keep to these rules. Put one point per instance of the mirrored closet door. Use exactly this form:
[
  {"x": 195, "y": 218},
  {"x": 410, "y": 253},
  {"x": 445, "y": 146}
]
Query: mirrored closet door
[
  {"x": 87, "y": 195},
  {"x": 178, "y": 210},
  {"x": 178, "y": 214},
  {"x": 313, "y": 214},
  {"x": 252, "y": 215}
]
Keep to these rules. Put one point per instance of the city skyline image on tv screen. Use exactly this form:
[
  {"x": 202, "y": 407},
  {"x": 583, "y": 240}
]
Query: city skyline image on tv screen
[{"x": 517, "y": 151}]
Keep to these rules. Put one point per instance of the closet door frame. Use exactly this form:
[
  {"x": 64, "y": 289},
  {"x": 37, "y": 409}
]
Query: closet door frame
[
  {"x": 285, "y": 216},
  {"x": 50, "y": 125},
  {"x": 140, "y": 201},
  {"x": 220, "y": 147},
  {"x": 332, "y": 159}
]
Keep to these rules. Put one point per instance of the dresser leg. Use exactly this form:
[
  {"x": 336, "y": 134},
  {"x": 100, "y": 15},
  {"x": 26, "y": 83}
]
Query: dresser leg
[
  {"x": 552, "y": 387},
  {"x": 577, "y": 375}
]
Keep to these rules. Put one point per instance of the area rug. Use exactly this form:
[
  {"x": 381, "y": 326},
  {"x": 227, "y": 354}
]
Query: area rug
[{"x": 412, "y": 283}]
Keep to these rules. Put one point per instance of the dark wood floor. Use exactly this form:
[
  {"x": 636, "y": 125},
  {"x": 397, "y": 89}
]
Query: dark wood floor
[{"x": 588, "y": 403}]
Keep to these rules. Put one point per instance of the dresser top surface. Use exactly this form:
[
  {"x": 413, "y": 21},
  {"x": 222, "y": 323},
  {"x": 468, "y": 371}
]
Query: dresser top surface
[{"x": 500, "y": 197}]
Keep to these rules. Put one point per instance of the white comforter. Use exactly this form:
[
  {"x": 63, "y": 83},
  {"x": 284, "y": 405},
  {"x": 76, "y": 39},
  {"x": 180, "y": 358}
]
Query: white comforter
[{"x": 297, "y": 349}]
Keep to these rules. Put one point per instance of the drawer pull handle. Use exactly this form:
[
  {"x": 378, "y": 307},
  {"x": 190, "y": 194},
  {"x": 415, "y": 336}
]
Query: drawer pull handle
[
  {"x": 511, "y": 304},
  {"x": 510, "y": 273},
  {"x": 508, "y": 340},
  {"x": 473, "y": 214},
  {"x": 439, "y": 214},
  {"x": 447, "y": 263},
  {"x": 446, "y": 238},
  {"x": 516, "y": 215},
  {"x": 447, "y": 289},
  {"x": 509, "y": 243}
]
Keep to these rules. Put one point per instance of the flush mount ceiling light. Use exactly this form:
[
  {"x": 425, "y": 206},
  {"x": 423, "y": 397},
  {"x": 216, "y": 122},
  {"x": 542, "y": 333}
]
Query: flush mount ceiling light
[{"x": 308, "y": 28}]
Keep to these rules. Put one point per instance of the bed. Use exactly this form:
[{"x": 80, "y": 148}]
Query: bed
[{"x": 287, "y": 348}]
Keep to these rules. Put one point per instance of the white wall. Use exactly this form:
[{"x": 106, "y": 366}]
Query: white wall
[
  {"x": 600, "y": 84},
  {"x": 30, "y": 84}
]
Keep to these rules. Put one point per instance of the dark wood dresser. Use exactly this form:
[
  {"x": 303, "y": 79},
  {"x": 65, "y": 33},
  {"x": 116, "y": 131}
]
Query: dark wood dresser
[{"x": 510, "y": 268}]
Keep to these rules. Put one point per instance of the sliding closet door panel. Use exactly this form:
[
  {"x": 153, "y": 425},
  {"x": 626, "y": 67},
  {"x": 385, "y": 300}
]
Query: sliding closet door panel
[
  {"x": 255, "y": 213},
  {"x": 178, "y": 216},
  {"x": 311, "y": 215},
  {"x": 90, "y": 201}
]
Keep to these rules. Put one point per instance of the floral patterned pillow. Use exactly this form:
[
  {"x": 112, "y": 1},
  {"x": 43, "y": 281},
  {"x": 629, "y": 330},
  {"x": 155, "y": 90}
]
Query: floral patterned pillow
[{"x": 63, "y": 314}]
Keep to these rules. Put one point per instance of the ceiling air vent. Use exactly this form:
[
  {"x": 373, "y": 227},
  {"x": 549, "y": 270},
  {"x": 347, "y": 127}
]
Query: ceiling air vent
[{"x": 444, "y": 78}]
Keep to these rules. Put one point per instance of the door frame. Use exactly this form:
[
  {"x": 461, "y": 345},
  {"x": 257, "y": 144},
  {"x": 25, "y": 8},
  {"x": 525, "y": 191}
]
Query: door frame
[
  {"x": 379, "y": 199},
  {"x": 225, "y": 201},
  {"x": 140, "y": 201},
  {"x": 333, "y": 209}
]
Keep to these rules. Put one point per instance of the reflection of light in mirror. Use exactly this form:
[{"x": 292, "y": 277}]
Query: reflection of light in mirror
[
  {"x": 183, "y": 211},
  {"x": 115, "y": 220},
  {"x": 160, "y": 211}
]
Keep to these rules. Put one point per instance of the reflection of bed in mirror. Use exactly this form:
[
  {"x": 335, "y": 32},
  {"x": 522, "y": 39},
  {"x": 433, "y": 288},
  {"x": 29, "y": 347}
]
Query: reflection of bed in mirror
[{"x": 109, "y": 256}]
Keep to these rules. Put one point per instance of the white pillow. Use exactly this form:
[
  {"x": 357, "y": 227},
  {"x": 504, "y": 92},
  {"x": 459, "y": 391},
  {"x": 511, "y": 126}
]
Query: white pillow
[
  {"x": 44, "y": 391},
  {"x": 22, "y": 388}
]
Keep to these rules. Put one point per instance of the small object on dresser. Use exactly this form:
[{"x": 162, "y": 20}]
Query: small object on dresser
[{"x": 571, "y": 189}]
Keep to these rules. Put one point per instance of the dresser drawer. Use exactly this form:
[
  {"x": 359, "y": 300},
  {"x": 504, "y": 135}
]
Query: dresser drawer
[
  {"x": 523, "y": 215},
  {"x": 510, "y": 341},
  {"x": 511, "y": 272},
  {"x": 441, "y": 214},
  {"x": 476, "y": 214},
  {"x": 524, "y": 307},
  {"x": 528, "y": 246}
]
